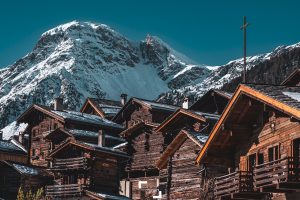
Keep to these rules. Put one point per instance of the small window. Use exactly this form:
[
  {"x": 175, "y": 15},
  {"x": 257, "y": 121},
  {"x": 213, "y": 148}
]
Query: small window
[
  {"x": 33, "y": 152},
  {"x": 260, "y": 158},
  {"x": 273, "y": 153}
]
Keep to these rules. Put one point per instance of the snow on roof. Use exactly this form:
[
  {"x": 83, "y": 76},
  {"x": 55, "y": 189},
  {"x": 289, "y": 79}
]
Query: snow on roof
[
  {"x": 111, "y": 197},
  {"x": 87, "y": 118},
  {"x": 105, "y": 149},
  {"x": 13, "y": 129},
  {"x": 157, "y": 105},
  {"x": 25, "y": 169},
  {"x": 120, "y": 145},
  {"x": 19, "y": 145},
  {"x": 83, "y": 133},
  {"x": 207, "y": 115},
  {"x": 110, "y": 110},
  {"x": 293, "y": 95},
  {"x": 8, "y": 146},
  {"x": 202, "y": 138}
]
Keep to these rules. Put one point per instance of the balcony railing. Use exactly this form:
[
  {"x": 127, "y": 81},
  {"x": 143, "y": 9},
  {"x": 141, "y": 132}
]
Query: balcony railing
[
  {"x": 237, "y": 182},
  {"x": 60, "y": 191},
  {"x": 69, "y": 163},
  {"x": 283, "y": 170}
]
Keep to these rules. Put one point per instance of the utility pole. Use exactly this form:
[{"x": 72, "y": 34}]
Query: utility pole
[{"x": 244, "y": 28}]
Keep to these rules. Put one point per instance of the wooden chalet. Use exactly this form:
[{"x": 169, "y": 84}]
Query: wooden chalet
[
  {"x": 187, "y": 131},
  {"x": 42, "y": 121},
  {"x": 257, "y": 140},
  {"x": 59, "y": 135},
  {"x": 141, "y": 117},
  {"x": 11, "y": 150},
  {"x": 101, "y": 107},
  {"x": 14, "y": 175},
  {"x": 214, "y": 101},
  {"x": 82, "y": 169},
  {"x": 293, "y": 79}
]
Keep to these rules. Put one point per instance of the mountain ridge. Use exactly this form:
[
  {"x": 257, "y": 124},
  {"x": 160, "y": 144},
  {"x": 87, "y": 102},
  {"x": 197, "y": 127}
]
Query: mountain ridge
[{"x": 77, "y": 60}]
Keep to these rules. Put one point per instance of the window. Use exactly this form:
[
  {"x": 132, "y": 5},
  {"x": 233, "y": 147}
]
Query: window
[
  {"x": 254, "y": 160},
  {"x": 33, "y": 152},
  {"x": 260, "y": 158},
  {"x": 273, "y": 153}
]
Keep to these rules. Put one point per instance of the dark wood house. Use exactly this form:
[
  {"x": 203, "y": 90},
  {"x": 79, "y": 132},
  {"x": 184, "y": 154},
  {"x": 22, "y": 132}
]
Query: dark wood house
[
  {"x": 14, "y": 175},
  {"x": 214, "y": 101},
  {"x": 141, "y": 117},
  {"x": 42, "y": 121},
  {"x": 101, "y": 107},
  {"x": 82, "y": 169},
  {"x": 257, "y": 140},
  {"x": 293, "y": 79},
  {"x": 184, "y": 131},
  {"x": 12, "y": 150}
]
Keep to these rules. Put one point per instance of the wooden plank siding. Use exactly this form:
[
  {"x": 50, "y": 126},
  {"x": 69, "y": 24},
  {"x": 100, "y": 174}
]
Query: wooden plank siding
[
  {"x": 13, "y": 157},
  {"x": 185, "y": 180}
]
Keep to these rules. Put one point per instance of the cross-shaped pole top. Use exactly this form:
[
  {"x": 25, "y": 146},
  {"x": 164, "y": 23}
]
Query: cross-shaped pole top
[{"x": 244, "y": 28}]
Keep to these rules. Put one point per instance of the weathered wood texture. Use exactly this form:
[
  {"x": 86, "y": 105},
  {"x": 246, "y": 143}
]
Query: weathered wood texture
[
  {"x": 40, "y": 148},
  {"x": 185, "y": 180},
  {"x": 11, "y": 180},
  {"x": 99, "y": 171},
  {"x": 13, "y": 157},
  {"x": 280, "y": 131}
]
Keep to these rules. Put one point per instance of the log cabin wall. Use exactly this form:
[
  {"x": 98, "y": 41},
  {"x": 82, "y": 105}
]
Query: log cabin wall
[
  {"x": 146, "y": 149},
  {"x": 185, "y": 179},
  {"x": 9, "y": 182},
  {"x": 141, "y": 113},
  {"x": 278, "y": 131},
  {"x": 40, "y": 148},
  {"x": 13, "y": 157},
  {"x": 100, "y": 175},
  {"x": 105, "y": 175}
]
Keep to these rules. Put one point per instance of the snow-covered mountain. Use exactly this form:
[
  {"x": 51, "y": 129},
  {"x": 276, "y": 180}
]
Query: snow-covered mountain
[{"x": 82, "y": 59}]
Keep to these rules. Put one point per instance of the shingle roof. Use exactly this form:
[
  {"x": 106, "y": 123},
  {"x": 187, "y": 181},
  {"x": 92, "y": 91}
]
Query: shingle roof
[
  {"x": 287, "y": 95},
  {"x": 83, "y": 117},
  {"x": 109, "y": 107},
  {"x": 27, "y": 170},
  {"x": 67, "y": 115},
  {"x": 8, "y": 146}
]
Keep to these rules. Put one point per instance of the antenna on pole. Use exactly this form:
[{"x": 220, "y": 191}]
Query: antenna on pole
[{"x": 244, "y": 28}]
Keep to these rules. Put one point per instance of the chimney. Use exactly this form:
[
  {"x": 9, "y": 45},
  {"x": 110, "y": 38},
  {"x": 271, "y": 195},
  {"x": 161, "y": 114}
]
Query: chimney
[
  {"x": 21, "y": 137},
  {"x": 101, "y": 139},
  {"x": 185, "y": 104},
  {"x": 1, "y": 135},
  {"x": 58, "y": 103},
  {"x": 123, "y": 99}
]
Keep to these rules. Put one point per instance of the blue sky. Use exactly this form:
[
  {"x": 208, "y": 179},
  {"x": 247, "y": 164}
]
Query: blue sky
[{"x": 206, "y": 31}]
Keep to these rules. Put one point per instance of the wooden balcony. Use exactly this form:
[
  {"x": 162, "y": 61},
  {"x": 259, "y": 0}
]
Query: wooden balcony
[
  {"x": 64, "y": 191},
  {"x": 79, "y": 163},
  {"x": 277, "y": 176},
  {"x": 235, "y": 185}
]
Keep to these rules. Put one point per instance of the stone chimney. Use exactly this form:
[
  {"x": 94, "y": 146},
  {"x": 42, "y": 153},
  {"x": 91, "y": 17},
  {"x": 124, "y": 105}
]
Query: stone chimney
[
  {"x": 21, "y": 137},
  {"x": 1, "y": 135},
  {"x": 58, "y": 103},
  {"x": 185, "y": 104},
  {"x": 123, "y": 99},
  {"x": 101, "y": 139}
]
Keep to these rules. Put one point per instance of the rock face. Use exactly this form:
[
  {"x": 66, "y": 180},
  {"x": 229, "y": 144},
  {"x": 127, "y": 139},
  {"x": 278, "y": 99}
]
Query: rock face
[{"x": 81, "y": 59}]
